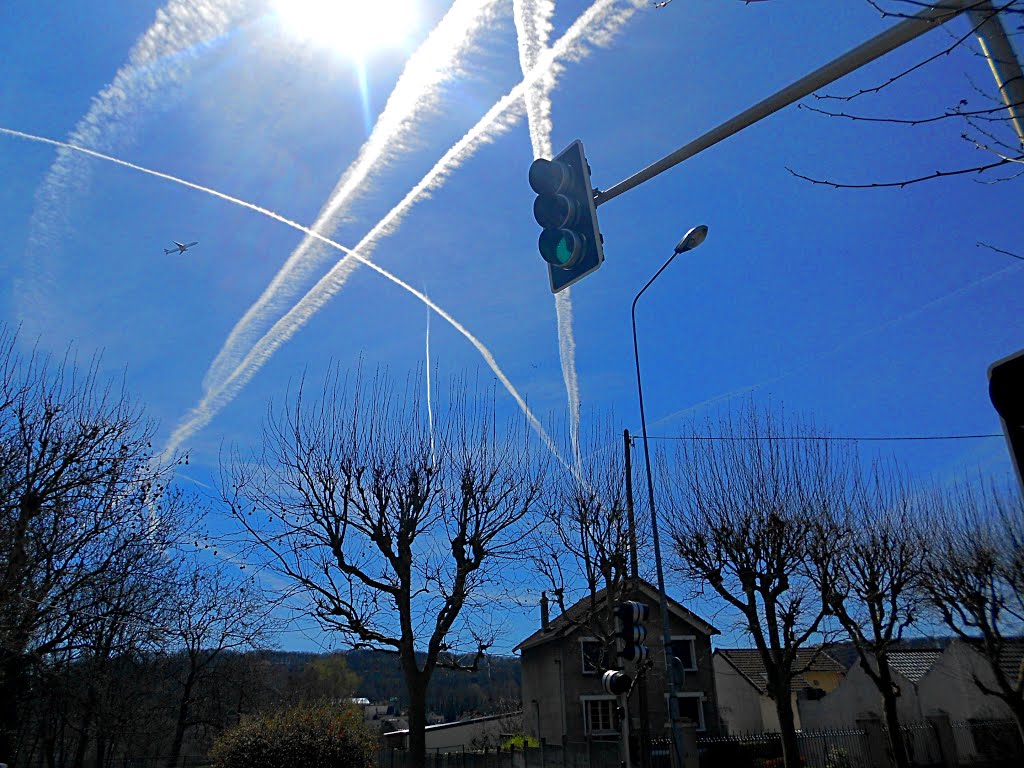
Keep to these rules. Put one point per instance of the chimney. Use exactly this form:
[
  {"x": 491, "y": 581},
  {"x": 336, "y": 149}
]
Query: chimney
[{"x": 543, "y": 611}]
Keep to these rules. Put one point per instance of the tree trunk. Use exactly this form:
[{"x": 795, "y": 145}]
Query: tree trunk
[
  {"x": 787, "y": 730},
  {"x": 12, "y": 688},
  {"x": 417, "y": 720},
  {"x": 897, "y": 746},
  {"x": 181, "y": 724}
]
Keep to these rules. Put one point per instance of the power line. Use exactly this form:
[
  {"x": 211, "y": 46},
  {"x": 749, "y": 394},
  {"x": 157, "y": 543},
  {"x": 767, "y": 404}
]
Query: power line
[{"x": 828, "y": 438}]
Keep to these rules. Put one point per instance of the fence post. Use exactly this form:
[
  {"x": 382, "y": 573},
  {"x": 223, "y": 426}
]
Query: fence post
[
  {"x": 943, "y": 731},
  {"x": 875, "y": 740}
]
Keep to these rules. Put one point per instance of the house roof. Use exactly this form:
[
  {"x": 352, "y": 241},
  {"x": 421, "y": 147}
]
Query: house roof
[
  {"x": 747, "y": 661},
  {"x": 913, "y": 664},
  {"x": 576, "y": 614},
  {"x": 1011, "y": 660}
]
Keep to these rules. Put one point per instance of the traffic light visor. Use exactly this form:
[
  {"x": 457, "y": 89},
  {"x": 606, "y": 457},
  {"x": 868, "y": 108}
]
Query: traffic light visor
[
  {"x": 561, "y": 247},
  {"x": 549, "y": 177}
]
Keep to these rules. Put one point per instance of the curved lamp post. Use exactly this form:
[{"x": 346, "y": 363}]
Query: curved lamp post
[{"x": 690, "y": 240}]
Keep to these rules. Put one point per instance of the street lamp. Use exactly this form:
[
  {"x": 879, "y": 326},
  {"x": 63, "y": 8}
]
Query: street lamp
[{"x": 690, "y": 240}]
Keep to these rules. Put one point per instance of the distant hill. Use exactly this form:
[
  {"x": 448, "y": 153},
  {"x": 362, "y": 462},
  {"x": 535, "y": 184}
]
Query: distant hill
[{"x": 451, "y": 693}]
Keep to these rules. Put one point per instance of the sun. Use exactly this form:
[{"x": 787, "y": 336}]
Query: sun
[{"x": 356, "y": 28}]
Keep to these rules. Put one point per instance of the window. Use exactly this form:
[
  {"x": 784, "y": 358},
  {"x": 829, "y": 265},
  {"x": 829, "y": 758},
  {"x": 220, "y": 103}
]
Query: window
[
  {"x": 600, "y": 718},
  {"x": 684, "y": 648},
  {"x": 691, "y": 705},
  {"x": 591, "y": 656}
]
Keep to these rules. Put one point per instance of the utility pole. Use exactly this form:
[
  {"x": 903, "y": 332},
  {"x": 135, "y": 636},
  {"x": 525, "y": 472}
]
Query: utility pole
[
  {"x": 641, "y": 672},
  {"x": 987, "y": 27}
]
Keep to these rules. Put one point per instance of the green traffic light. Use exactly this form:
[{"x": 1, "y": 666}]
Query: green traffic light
[{"x": 560, "y": 247}]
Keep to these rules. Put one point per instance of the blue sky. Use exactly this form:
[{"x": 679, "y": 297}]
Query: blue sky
[{"x": 874, "y": 311}]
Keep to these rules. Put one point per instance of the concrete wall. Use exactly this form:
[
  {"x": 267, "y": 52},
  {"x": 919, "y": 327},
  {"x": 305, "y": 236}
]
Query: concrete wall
[
  {"x": 949, "y": 686},
  {"x": 738, "y": 703},
  {"x": 857, "y": 698}
]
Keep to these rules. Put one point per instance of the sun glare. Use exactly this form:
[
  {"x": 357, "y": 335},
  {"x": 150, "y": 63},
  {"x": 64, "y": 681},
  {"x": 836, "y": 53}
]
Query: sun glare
[{"x": 356, "y": 28}]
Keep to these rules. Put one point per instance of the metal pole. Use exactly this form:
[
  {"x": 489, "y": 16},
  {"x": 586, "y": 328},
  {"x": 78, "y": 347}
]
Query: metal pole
[
  {"x": 852, "y": 60},
  {"x": 641, "y": 672},
  {"x": 670, "y": 683},
  {"x": 1001, "y": 59}
]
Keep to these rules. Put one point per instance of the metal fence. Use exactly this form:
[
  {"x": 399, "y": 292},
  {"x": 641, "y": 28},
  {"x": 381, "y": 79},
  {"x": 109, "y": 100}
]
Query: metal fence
[
  {"x": 818, "y": 749},
  {"x": 974, "y": 744}
]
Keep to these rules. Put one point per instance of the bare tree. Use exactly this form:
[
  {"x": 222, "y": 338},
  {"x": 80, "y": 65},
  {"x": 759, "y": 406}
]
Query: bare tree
[
  {"x": 877, "y": 574},
  {"x": 975, "y": 581},
  {"x": 583, "y": 548},
  {"x": 989, "y": 120},
  {"x": 744, "y": 511},
  {"x": 209, "y": 615},
  {"x": 79, "y": 490},
  {"x": 392, "y": 529}
]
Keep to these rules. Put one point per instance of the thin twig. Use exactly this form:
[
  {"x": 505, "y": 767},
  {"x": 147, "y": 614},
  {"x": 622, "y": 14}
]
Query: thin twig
[{"x": 905, "y": 182}]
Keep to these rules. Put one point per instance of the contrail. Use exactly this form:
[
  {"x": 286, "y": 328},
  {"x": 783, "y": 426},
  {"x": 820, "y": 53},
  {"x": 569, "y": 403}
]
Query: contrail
[
  {"x": 161, "y": 56},
  {"x": 606, "y": 20},
  {"x": 847, "y": 342},
  {"x": 415, "y": 95},
  {"x": 430, "y": 407},
  {"x": 200, "y": 415},
  {"x": 533, "y": 29}
]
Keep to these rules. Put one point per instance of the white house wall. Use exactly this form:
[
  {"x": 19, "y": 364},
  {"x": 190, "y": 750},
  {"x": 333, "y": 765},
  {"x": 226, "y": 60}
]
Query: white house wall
[
  {"x": 738, "y": 701},
  {"x": 949, "y": 686},
  {"x": 855, "y": 698}
]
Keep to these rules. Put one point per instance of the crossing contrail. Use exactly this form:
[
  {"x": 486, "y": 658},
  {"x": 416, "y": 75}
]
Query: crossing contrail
[
  {"x": 417, "y": 94},
  {"x": 162, "y": 55},
  {"x": 533, "y": 29},
  {"x": 201, "y": 415},
  {"x": 601, "y": 20}
]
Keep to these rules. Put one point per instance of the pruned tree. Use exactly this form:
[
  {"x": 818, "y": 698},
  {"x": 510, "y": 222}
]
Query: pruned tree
[
  {"x": 390, "y": 529},
  {"x": 79, "y": 491},
  {"x": 585, "y": 548},
  {"x": 877, "y": 574},
  {"x": 975, "y": 582},
  {"x": 744, "y": 509}
]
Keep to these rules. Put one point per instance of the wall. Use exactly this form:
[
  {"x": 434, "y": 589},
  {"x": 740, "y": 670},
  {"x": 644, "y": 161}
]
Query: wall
[
  {"x": 949, "y": 686},
  {"x": 738, "y": 701},
  {"x": 858, "y": 698}
]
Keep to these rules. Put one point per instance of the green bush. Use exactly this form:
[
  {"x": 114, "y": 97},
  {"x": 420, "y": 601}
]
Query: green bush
[
  {"x": 519, "y": 742},
  {"x": 318, "y": 736}
]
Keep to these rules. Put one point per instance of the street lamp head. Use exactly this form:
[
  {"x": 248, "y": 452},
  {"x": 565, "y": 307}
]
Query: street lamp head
[{"x": 692, "y": 239}]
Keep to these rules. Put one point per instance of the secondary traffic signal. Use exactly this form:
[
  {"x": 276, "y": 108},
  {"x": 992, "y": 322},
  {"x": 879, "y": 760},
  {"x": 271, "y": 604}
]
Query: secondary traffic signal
[
  {"x": 630, "y": 631},
  {"x": 571, "y": 242},
  {"x": 1006, "y": 389},
  {"x": 615, "y": 682}
]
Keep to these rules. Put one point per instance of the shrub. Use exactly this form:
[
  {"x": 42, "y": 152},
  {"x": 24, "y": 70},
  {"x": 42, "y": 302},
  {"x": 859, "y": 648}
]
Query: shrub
[
  {"x": 317, "y": 736},
  {"x": 519, "y": 742}
]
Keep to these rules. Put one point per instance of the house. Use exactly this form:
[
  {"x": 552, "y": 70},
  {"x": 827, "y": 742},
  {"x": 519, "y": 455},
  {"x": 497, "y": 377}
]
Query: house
[
  {"x": 562, "y": 664},
  {"x": 740, "y": 679},
  {"x": 950, "y": 685},
  {"x": 930, "y": 681},
  {"x": 857, "y": 697}
]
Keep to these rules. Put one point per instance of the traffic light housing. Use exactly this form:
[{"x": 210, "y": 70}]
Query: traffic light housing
[
  {"x": 630, "y": 631},
  {"x": 570, "y": 242},
  {"x": 1006, "y": 390},
  {"x": 615, "y": 682}
]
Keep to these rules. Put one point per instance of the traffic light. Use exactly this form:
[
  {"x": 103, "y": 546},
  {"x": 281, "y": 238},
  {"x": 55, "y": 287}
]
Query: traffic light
[
  {"x": 571, "y": 242},
  {"x": 630, "y": 631},
  {"x": 1006, "y": 389},
  {"x": 615, "y": 682}
]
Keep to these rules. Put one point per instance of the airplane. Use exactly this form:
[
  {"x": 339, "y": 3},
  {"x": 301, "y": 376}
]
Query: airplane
[{"x": 182, "y": 247}]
